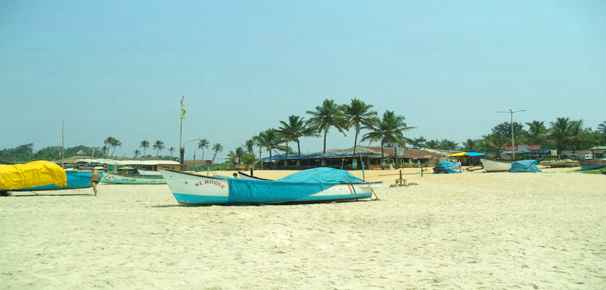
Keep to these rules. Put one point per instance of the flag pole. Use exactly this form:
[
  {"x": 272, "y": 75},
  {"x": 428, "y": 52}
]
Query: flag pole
[{"x": 181, "y": 117}]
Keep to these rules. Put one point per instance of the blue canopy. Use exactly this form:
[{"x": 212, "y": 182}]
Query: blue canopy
[
  {"x": 445, "y": 166},
  {"x": 524, "y": 166},
  {"x": 474, "y": 154},
  {"x": 322, "y": 175}
]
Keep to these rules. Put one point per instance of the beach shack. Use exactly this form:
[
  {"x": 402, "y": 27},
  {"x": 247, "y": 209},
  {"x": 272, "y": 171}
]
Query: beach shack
[{"x": 365, "y": 157}]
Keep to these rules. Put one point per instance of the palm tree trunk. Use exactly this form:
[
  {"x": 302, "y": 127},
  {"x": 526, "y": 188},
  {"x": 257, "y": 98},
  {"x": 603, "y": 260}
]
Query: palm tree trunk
[
  {"x": 260, "y": 160},
  {"x": 299, "y": 148},
  {"x": 356, "y": 140},
  {"x": 270, "y": 157},
  {"x": 299, "y": 153},
  {"x": 395, "y": 156},
  {"x": 286, "y": 157},
  {"x": 324, "y": 150},
  {"x": 382, "y": 155}
]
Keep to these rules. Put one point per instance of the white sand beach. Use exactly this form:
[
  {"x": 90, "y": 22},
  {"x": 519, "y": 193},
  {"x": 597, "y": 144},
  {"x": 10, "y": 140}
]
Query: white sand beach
[{"x": 465, "y": 231}]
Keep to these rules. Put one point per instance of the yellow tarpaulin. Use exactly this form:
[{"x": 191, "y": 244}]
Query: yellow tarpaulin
[
  {"x": 32, "y": 174},
  {"x": 458, "y": 154}
]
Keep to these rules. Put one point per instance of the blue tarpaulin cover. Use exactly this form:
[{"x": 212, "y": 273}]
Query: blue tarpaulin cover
[
  {"x": 301, "y": 186},
  {"x": 524, "y": 166},
  {"x": 322, "y": 175},
  {"x": 445, "y": 166}
]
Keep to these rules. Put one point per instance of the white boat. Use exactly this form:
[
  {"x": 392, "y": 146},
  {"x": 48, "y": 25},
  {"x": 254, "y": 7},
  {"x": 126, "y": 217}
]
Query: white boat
[
  {"x": 495, "y": 166},
  {"x": 196, "y": 189}
]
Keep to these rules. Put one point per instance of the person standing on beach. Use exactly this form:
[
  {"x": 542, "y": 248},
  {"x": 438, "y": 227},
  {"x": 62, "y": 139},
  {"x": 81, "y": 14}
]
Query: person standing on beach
[{"x": 95, "y": 180}]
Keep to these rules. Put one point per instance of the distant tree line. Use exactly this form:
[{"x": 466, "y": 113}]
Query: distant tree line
[
  {"x": 25, "y": 153},
  {"x": 560, "y": 134}
]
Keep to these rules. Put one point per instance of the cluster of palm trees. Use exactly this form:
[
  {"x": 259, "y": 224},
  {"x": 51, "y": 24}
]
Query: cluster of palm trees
[
  {"x": 357, "y": 116},
  {"x": 158, "y": 146},
  {"x": 110, "y": 144},
  {"x": 204, "y": 144}
]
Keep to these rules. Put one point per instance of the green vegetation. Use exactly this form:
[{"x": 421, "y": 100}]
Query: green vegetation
[
  {"x": 326, "y": 116},
  {"x": 562, "y": 134},
  {"x": 390, "y": 129},
  {"x": 25, "y": 153}
]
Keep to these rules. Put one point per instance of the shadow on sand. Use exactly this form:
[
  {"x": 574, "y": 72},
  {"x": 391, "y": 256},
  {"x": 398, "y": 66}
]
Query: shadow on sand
[
  {"x": 33, "y": 194},
  {"x": 263, "y": 204}
]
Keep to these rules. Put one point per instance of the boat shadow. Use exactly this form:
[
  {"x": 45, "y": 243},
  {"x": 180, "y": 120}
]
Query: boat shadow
[
  {"x": 265, "y": 204},
  {"x": 49, "y": 194}
]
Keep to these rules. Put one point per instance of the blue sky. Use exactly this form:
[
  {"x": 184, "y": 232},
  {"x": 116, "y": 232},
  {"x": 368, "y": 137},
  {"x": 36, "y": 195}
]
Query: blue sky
[{"x": 119, "y": 68}]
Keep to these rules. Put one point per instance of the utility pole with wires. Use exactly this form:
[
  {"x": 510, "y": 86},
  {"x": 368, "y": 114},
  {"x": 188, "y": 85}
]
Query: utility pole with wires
[{"x": 513, "y": 138}]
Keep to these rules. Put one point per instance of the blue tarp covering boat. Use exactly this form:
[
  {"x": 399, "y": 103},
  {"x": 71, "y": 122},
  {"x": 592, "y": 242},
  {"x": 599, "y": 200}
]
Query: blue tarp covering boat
[
  {"x": 322, "y": 175},
  {"x": 445, "y": 166},
  {"x": 314, "y": 185},
  {"x": 525, "y": 166}
]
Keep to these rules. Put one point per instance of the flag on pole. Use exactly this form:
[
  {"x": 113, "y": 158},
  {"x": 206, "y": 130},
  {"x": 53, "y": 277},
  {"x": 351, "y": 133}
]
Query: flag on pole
[{"x": 183, "y": 111}]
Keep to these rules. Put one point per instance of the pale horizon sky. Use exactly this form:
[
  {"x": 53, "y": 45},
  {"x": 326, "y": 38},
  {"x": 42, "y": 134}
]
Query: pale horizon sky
[{"x": 119, "y": 68}]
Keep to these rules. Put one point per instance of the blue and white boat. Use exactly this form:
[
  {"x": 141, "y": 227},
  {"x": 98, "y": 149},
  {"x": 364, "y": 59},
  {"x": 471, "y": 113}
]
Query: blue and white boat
[{"x": 313, "y": 185}]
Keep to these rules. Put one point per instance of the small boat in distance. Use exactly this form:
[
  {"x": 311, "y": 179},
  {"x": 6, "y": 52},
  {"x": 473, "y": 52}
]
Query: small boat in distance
[
  {"x": 593, "y": 164},
  {"x": 143, "y": 177},
  {"x": 495, "y": 166},
  {"x": 313, "y": 185}
]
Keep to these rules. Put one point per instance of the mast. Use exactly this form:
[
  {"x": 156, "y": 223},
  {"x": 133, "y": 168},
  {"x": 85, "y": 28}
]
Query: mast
[{"x": 62, "y": 143}]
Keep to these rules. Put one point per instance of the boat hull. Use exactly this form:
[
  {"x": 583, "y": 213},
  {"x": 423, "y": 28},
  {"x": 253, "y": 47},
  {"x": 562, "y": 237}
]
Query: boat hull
[
  {"x": 495, "y": 166},
  {"x": 192, "y": 189}
]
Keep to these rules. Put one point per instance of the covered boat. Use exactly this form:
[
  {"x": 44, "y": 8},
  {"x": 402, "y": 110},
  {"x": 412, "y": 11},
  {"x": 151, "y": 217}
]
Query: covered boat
[
  {"x": 445, "y": 166},
  {"x": 313, "y": 185},
  {"x": 495, "y": 166},
  {"x": 525, "y": 166},
  {"x": 32, "y": 175}
]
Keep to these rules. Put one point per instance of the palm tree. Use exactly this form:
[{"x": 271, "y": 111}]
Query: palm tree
[
  {"x": 328, "y": 115},
  {"x": 418, "y": 142},
  {"x": 257, "y": 141},
  {"x": 239, "y": 153},
  {"x": 203, "y": 145},
  {"x": 389, "y": 130},
  {"x": 270, "y": 140},
  {"x": 232, "y": 158},
  {"x": 144, "y": 144},
  {"x": 137, "y": 153},
  {"x": 105, "y": 149},
  {"x": 216, "y": 149},
  {"x": 359, "y": 116},
  {"x": 171, "y": 150},
  {"x": 293, "y": 130},
  {"x": 250, "y": 146},
  {"x": 559, "y": 133},
  {"x": 112, "y": 143},
  {"x": 537, "y": 132},
  {"x": 575, "y": 134},
  {"x": 158, "y": 146}
]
